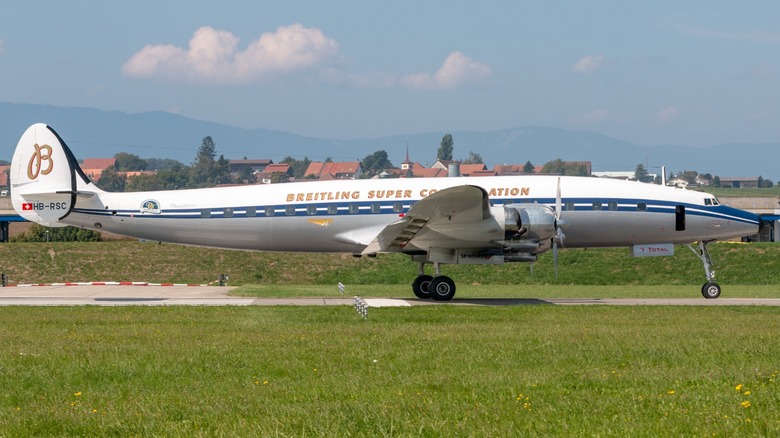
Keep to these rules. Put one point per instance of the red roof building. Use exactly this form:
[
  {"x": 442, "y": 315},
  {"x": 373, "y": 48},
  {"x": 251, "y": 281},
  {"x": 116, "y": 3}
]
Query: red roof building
[
  {"x": 266, "y": 175},
  {"x": 471, "y": 169},
  {"x": 334, "y": 170},
  {"x": 93, "y": 167}
]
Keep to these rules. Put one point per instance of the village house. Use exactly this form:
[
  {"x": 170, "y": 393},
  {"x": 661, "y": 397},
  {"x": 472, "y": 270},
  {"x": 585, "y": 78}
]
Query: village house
[
  {"x": 93, "y": 167},
  {"x": 334, "y": 170}
]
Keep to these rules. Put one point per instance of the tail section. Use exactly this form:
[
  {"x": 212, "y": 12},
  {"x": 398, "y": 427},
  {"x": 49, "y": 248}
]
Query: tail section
[{"x": 45, "y": 177}]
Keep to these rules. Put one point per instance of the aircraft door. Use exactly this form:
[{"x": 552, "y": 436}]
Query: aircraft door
[{"x": 679, "y": 218}]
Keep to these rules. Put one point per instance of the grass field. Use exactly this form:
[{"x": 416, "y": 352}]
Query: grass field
[
  {"x": 486, "y": 291},
  {"x": 420, "y": 371},
  {"x": 735, "y": 264}
]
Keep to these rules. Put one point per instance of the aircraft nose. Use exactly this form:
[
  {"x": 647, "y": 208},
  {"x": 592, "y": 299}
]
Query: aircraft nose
[
  {"x": 743, "y": 223},
  {"x": 756, "y": 226}
]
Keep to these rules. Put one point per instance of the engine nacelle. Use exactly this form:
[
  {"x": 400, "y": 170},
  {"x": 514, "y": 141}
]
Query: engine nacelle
[{"x": 528, "y": 230}]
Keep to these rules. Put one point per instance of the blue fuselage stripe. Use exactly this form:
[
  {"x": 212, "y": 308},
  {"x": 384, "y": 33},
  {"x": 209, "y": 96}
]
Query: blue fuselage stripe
[{"x": 348, "y": 208}]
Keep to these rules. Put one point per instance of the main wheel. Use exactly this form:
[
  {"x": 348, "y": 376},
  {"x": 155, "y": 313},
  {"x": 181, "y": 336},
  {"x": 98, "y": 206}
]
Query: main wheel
[
  {"x": 442, "y": 288},
  {"x": 710, "y": 290},
  {"x": 421, "y": 286}
]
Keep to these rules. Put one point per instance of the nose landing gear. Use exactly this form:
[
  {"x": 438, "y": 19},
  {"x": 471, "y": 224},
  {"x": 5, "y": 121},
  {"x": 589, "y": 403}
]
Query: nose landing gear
[{"x": 710, "y": 289}]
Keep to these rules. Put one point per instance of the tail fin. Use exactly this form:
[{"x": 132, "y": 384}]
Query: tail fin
[{"x": 45, "y": 177}]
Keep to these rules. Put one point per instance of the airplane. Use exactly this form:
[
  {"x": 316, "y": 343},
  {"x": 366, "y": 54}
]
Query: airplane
[{"x": 458, "y": 220}]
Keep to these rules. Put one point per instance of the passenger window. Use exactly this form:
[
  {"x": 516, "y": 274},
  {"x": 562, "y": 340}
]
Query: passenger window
[
  {"x": 641, "y": 206},
  {"x": 311, "y": 210},
  {"x": 269, "y": 211},
  {"x": 289, "y": 210},
  {"x": 612, "y": 205},
  {"x": 375, "y": 208},
  {"x": 569, "y": 206},
  {"x": 252, "y": 211},
  {"x": 333, "y": 209},
  {"x": 597, "y": 205},
  {"x": 205, "y": 213},
  {"x": 398, "y": 207},
  {"x": 353, "y": 208},
  {"x": 228, "y": 212}
]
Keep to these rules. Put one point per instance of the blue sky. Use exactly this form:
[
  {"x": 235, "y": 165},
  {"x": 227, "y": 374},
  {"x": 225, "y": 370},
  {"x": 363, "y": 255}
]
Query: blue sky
[{"x": 693, "y": 73}]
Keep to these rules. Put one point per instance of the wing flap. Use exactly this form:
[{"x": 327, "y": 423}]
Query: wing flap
[{"x": 456, "y": 217}]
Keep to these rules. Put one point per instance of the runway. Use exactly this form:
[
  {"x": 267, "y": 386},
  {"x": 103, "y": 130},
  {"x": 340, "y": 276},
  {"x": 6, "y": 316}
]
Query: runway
[{"x": 218, "y": 296}]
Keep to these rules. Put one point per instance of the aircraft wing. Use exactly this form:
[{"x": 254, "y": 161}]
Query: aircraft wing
[{"x": 456, "y": 217}]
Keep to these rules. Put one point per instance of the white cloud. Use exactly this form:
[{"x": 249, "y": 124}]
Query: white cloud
[
  {"x": 668, "y": 114},
  {"x": 456, "y": 71},
  {"x": 588, "y": 64},
  {"x": 213, "y": 56}
]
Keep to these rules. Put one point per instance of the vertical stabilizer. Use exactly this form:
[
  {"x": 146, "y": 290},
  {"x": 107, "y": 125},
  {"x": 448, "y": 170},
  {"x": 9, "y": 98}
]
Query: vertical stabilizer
[{"x": 44, "y": 177}]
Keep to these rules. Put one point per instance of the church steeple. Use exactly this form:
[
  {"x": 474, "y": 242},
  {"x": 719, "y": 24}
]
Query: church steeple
[{"x": 406, "y": 165}]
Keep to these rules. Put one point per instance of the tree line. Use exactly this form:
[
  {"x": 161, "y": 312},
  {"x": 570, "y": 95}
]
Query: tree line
[{"x": 209, "y": 169}]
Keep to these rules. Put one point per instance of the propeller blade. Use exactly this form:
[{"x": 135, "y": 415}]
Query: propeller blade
[{"x": 559, "y": 235}]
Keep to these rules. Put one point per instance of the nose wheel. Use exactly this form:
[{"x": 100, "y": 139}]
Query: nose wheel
[{"x": 711, "y": 289}]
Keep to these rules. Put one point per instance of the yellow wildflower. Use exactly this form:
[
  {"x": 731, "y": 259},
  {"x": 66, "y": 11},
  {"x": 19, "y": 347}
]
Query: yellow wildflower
[
  {"x": 745, "y": 404},
  {"x": 739, "y": 387}
]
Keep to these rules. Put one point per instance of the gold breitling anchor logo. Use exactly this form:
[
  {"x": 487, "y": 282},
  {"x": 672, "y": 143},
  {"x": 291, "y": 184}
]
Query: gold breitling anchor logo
[{"x": 41, "y": 155}]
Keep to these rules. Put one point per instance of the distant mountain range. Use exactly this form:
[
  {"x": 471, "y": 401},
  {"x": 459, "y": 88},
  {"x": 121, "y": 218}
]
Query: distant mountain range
[{"x": 92, "y": 133}]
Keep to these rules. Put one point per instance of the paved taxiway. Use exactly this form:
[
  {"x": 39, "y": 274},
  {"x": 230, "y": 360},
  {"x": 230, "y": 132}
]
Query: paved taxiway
[{"x": 217, "y": 296}]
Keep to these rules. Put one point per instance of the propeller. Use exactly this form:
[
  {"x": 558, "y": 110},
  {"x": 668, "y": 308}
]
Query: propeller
[{"x": 559, "y": 223}]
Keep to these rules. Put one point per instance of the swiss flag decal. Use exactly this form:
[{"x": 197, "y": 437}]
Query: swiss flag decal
[{"x": 27, "y": 206}]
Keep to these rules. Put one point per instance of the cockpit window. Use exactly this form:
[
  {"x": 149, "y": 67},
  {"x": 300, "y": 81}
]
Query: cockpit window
[
  {"x": 707, "y": 201},
  {"x": 715, "y": 201}
]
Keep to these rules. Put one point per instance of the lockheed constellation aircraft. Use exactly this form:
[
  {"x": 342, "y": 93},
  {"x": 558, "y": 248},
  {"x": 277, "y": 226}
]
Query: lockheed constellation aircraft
[{"x": 477, "y": 220}]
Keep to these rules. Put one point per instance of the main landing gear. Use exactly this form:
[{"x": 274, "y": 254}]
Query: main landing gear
[
  {"x": 438, "y": 287},
  {"x": 710, "y": 289}
]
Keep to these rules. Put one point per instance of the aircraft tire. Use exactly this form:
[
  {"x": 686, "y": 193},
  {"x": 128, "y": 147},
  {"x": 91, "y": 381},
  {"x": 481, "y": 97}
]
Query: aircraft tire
[
  {"x": 442, "y": 288},
  {"x": 421, "y": 286},
  {"x": 710, "y": 290}
]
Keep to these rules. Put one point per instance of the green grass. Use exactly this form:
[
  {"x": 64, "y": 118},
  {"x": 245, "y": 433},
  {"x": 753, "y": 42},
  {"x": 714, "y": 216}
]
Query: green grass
[
  {"x": 522, "y": 291},
  {"x": 419, "y": 371},
  {"x": 738, "y": 264}
]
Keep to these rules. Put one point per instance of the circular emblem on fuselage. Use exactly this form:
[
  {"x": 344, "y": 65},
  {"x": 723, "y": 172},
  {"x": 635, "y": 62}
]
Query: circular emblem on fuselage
[{"x": 150, "y": 206}]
